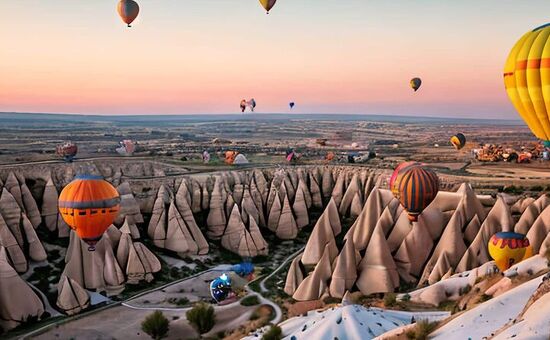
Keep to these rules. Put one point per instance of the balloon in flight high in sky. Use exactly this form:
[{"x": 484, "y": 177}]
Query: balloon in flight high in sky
[
  {"x": 291, "y": 104},
  {"x": 416, "y": 83},
  {"x": 527, "y": 80},
  {"x": 128, "y": 11},
  {"x": 268, "y": 4},
  {"x": 89, "y": 205}
]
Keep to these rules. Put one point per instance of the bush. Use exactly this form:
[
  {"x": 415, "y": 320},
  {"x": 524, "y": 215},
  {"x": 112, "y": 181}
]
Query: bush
[
  {"x": 485, "y": 297},
  {"x": 422, "y": 330},
  {"x": 274, "y": 333},
  {"x": 156, "y": 325},
  {"x": 202, "y": 317},
  {"x": 179, "y": 302},
  {"x": 251, "y": 300},
  {"x": 390, "y": 299}
]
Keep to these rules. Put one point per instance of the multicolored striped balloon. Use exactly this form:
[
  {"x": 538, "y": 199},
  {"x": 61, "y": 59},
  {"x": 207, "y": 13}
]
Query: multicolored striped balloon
[
  {"x": 89, "y": 205},
  {"x": 415, "y": 187},
  {"x": 527, "y": 80},
  {"x": 393, "y": 177},
  {"x": 508, "y": 248}
]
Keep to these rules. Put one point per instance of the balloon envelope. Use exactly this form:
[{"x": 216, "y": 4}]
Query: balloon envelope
[
  {"x": 416, "y": 187},
  {"x": 89, "y": 205},
  {"x": 220, "y": 288},
  {"x": 527, "y": 80},
  {"x": 67, "y": 151},
  {"x": 508, "y": 248},
  {"x": 458, "y": 141},
  {"x": 268, "y": 4},
  {"x": 393, "y": 177},
  {"x": 416, "y": 83},
  {"x": 291, "y": 104},
  {"x": 128, "y": 11}
]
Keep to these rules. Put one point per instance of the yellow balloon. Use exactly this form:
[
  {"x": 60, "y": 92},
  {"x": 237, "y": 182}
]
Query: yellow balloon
[
  {"x": 527, "y": 80},
  {"x": 508, "y": 248}
]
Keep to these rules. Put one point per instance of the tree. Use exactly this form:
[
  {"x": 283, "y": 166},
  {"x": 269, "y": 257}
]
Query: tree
[
  {"x": 156, "y": 325},
  {"x": 202, "y": 317}
]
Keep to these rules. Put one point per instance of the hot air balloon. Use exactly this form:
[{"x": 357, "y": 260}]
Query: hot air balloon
[
  {"x": 268, "y": 4},
  {"x": 67, "y": 151},
  {"x": 89, "y": 205},
  {"x": 251, "y": 104},
  {"x": 291, "y": 104},
  {"x": 243, "y": 269},
  {"x": 415, "y": 187},
  {"x": 220, "y": 288},
  {"x": 128, "y": 11},
  {"x": 127, "y": 148},
  {"x": 393, "y": 177},
  {"x": 527, "y": 80},
  {"x": 458, "y": 141},
  {"x": 508, "y": 248},
  {"x": 230, "y": 157},
  {"x": 416, "y": 83}
]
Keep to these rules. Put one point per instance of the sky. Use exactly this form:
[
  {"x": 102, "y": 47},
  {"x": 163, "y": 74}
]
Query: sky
[{"x": 204, "y": 56}]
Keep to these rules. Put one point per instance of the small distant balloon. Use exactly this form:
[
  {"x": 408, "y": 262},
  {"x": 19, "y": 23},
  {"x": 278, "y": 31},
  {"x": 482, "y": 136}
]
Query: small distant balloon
[
  {"x": 416, "y": 83},
  {"x": 128, "y": 11},
  {"x": 291, "y": 104},
  {"x": 268, "y": 4},
  {"x": 250, "y": 104},
  {"x": 458, "y": 141}
]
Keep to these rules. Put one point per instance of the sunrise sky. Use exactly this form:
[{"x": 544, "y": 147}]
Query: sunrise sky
[{"x": 204, "y": 56}]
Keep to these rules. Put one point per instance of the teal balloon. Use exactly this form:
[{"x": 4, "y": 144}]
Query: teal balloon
[{"x": 546, "y": 143}]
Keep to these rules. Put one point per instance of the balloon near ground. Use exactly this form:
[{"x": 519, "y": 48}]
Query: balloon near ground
[
  {"x": 268, "y": 4},
  {"x": 508, "y": 248},
  {"x": 393, "y": 177},
  {"x": 220, "y": 288},
  {"x": 415, "y": 187},
  {"x": 527, "y": 80},
  {"x": 128, "y": 11},
  {"x": 416, "y": 83},
  {"x": 458, "y": 141},
  {"x": 89, "y": 205},
  {"x": 67, "y": 151}
]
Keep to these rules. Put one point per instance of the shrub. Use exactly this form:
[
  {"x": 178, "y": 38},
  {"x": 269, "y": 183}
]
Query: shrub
[
  {"x": 251, "y": 300},
  {"x": 202, "y": 317},
  {"x": 156, "y": 325},
  {"x": 390, "y": 299},
  {"x": 485, "y": 297},
  {"x": 274, "y": 333},
  {"x": 422, "y": 330}
]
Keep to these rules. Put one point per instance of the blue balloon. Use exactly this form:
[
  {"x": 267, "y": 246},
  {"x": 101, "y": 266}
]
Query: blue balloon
[
  {"x": 220, "y": 288},
  {"x": 243, "y": 269},
  {"x": 291, "y": 104}
]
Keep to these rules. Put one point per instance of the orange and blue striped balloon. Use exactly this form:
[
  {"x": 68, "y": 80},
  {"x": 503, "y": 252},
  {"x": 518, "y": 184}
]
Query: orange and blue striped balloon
[{"x": 416, "y": 187}]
